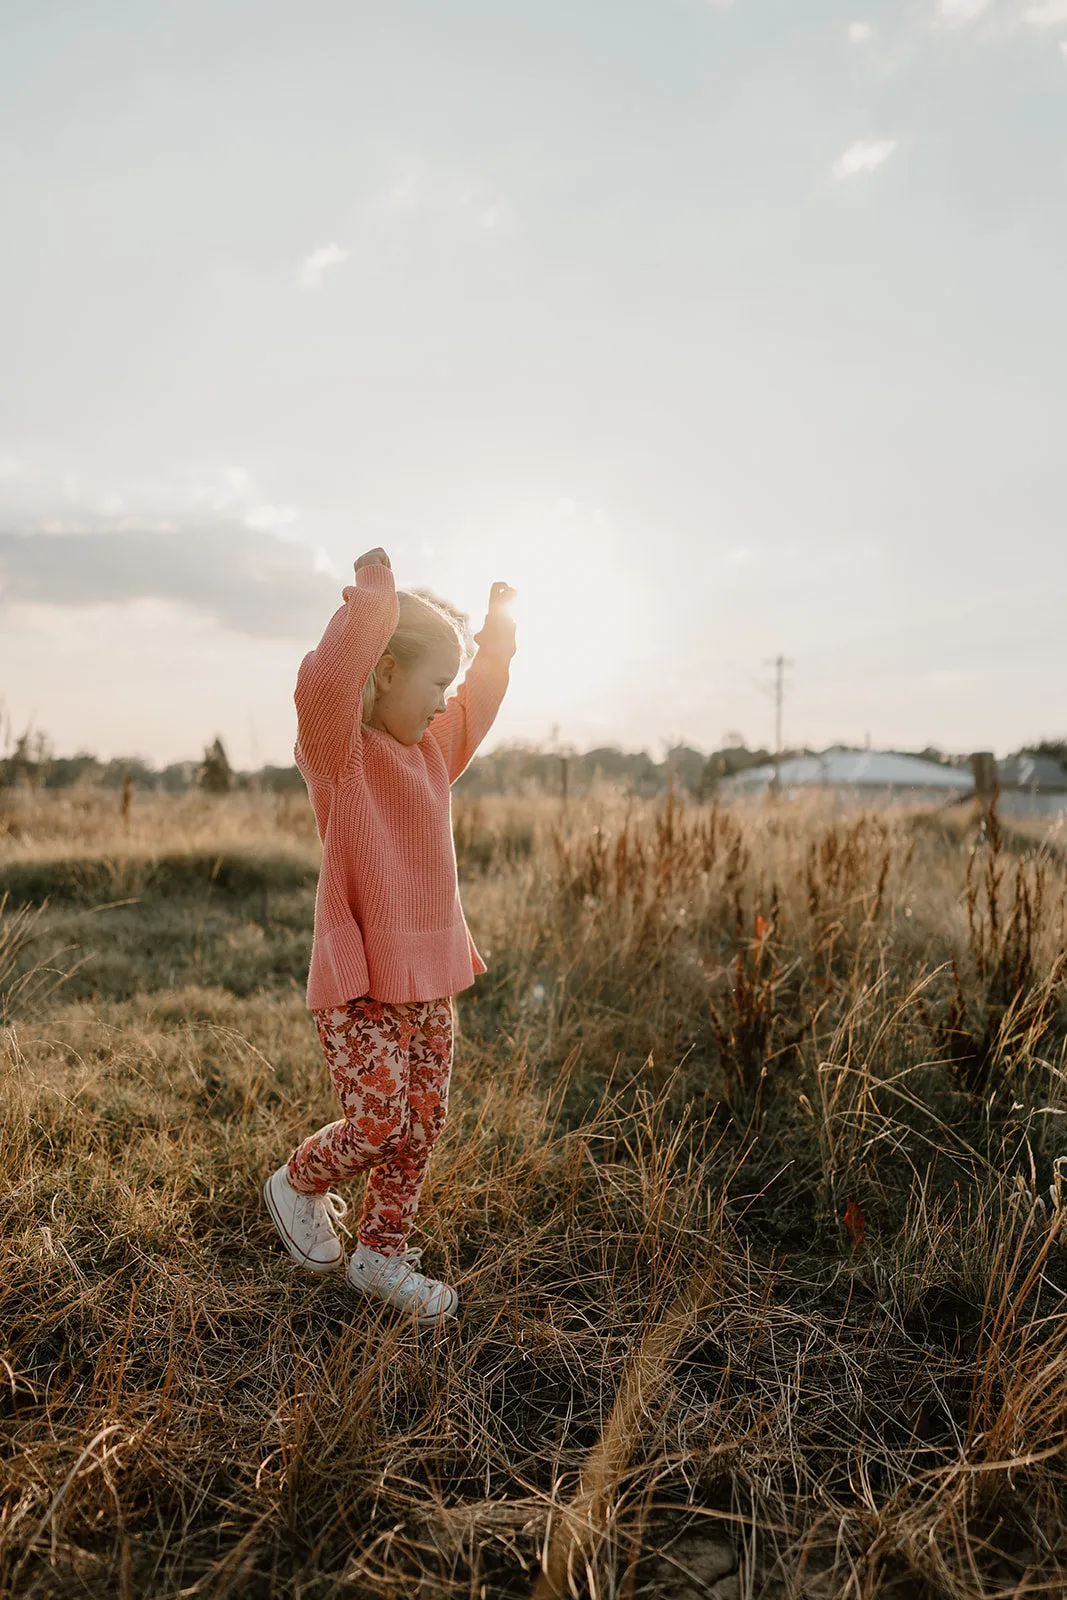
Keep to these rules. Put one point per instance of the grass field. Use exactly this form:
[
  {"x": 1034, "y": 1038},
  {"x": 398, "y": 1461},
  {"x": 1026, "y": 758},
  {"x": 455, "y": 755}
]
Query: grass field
[{"x": 752, "y": 1188}]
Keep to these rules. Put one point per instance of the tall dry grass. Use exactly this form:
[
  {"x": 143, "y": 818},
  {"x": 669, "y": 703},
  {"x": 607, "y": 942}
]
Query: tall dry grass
[{"x": 706, "y": 1039}]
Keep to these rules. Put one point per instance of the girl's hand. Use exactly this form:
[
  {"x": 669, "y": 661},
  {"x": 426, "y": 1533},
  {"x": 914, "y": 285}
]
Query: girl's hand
[
  {"x": 498, "y": 633},
  {"x": 373, "y": 558}
]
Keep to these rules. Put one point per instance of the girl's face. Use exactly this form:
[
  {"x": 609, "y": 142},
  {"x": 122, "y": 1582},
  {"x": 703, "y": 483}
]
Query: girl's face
[{"x": 410, "y": 697}]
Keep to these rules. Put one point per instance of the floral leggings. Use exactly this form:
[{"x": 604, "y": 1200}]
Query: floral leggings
[{"x": 390, "y": 1065}]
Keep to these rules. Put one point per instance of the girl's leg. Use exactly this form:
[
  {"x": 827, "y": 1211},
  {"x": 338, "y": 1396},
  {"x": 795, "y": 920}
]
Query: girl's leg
[
  {"x": 366, "y": 1044},
  {"x": 393, "y": 1187}
]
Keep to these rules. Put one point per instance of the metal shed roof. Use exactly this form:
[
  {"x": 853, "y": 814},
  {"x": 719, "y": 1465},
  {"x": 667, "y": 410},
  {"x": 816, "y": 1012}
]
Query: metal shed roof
[
  {"x": 881, "y": 769},
  {"x": 1032, "y": 772}
]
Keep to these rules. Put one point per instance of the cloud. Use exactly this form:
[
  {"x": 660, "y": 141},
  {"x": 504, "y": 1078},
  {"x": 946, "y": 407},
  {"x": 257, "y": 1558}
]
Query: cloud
[
  {"x": 319, "y": 261},
  {"x": 999, "y": 21},
  {"x": 406, "y": 192},
  {"x": 270, "y": 519},
  {"x": 252, "y": 582},
  {"x": 416, "y": 191},
  {"x": 224, "y": 490},
  {"x": 1046, "y": 14},
  {"x": 958, "y": 13},
  {"x": 863, "y": 156},
  {"x": 860, "y": 32}
]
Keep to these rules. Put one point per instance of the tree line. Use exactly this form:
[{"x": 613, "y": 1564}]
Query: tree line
[{"x": 29, "y": 760}]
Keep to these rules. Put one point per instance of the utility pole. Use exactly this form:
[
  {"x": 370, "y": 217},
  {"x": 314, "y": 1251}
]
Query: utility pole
[{"x": 779, "y": 664}]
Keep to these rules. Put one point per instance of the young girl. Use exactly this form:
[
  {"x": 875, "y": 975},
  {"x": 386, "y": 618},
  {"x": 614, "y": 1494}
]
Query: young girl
[{"x": 379, "y": 747}]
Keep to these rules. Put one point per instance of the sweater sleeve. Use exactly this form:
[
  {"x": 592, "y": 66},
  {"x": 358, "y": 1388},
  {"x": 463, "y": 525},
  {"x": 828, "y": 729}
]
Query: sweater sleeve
[
  {"x": 332, "y": 677},
  {"x": 470, "y": 713}
]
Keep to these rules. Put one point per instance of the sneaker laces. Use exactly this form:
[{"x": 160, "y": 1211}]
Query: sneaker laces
[
  {"x": 427, "y": 1291},
  {"x": 393, "y": 1266},
  {"x": 394, "y": 1270},
  {"x": 336, "y": 1208}
]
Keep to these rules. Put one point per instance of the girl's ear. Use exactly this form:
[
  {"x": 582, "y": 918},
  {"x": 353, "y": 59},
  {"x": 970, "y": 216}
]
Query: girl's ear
[{"x": 383, "y": 671}]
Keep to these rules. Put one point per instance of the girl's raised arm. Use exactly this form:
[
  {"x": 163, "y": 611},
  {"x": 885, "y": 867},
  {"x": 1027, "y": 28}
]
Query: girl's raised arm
[
  {"x": 331, "y": 679},
  {"x": 469, "y": 715}
]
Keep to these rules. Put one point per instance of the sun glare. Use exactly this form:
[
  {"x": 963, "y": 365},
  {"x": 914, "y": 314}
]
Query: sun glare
[{"x": 577, "y": 604}]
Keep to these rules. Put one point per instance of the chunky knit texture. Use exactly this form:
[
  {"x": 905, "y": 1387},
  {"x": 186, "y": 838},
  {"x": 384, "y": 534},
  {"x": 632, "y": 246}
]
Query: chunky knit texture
[{"x": 388, "y": 918}]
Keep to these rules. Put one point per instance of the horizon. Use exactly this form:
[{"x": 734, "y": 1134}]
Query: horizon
[
  {"x": 530, "y": 747},
  {"x": 720, "y": 331}
]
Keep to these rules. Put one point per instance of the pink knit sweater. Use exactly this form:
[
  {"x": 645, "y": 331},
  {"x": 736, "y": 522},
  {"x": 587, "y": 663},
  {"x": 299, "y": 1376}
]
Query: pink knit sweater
[{"x": 388, "y": 918}]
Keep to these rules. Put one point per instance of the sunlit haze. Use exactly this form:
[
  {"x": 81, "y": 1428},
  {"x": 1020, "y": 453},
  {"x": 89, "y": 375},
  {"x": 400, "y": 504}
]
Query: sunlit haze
[{"x": 718, "y": 331}]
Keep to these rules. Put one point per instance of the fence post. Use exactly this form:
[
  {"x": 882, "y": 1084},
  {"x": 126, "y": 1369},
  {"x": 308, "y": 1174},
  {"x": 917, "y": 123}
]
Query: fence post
[{"x": 986, "y": 782}]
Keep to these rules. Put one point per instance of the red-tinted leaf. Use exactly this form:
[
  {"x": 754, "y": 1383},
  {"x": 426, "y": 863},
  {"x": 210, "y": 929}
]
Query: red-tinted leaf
[
  {"x": 854, "y": 1223},
  {"x": 763, "y": 927}
]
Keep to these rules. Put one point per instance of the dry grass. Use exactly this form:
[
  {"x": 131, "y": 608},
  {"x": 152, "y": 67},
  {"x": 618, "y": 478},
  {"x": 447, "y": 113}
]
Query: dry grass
[{"x": 703, "y": 1038}]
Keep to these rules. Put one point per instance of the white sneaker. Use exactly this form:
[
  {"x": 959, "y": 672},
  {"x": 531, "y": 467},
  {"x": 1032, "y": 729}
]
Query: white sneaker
[
  {"x": 308, "y": 1223},
  {"x": 395, "y": 1280}
]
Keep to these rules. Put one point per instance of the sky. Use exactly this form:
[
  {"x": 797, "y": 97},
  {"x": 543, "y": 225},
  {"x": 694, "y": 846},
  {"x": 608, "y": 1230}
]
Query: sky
[{"x": 719, "y": 331}]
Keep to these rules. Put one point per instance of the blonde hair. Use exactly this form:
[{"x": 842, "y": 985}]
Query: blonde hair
[{"x": 425, "y": 621}]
